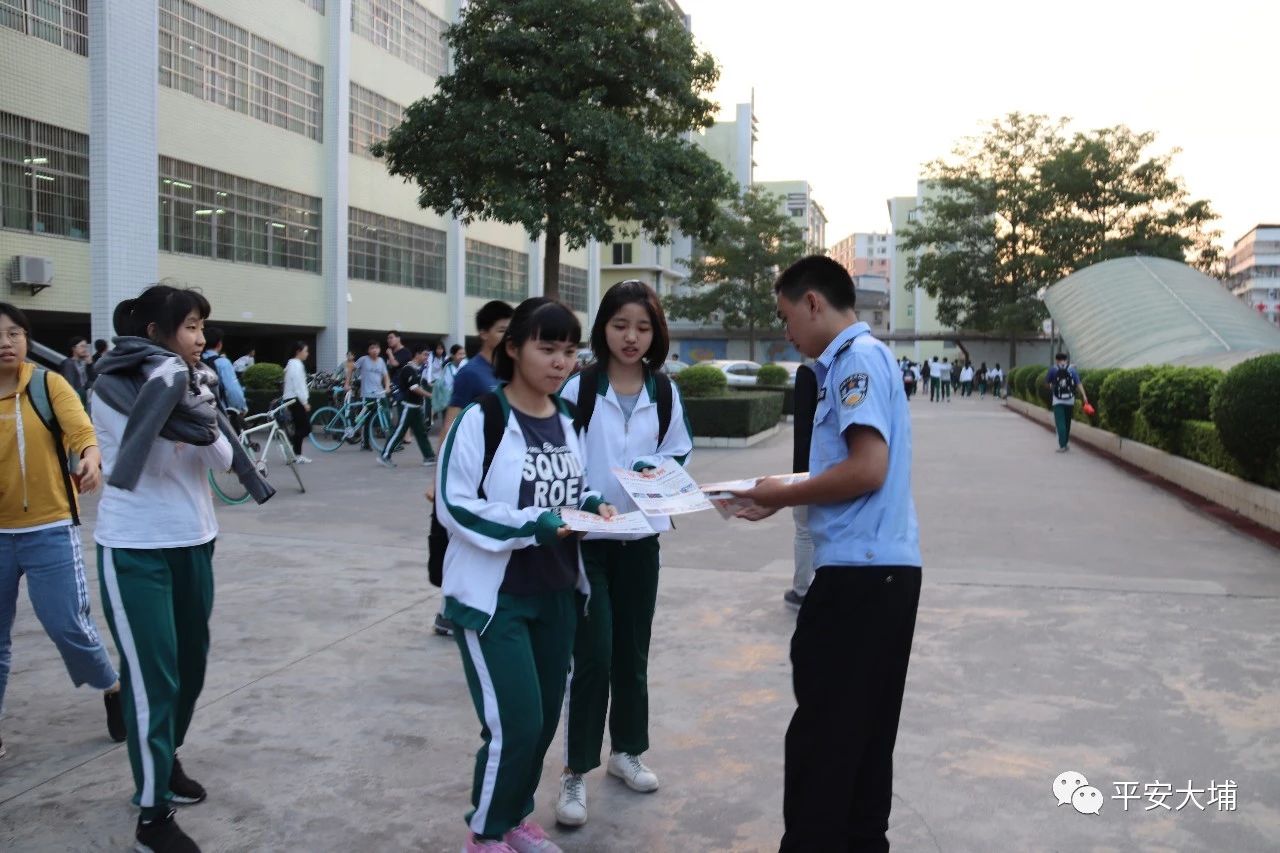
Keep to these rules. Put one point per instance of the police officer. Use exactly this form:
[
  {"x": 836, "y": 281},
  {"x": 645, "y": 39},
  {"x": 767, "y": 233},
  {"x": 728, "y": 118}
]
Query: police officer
[{"x": 853, "y": 634}]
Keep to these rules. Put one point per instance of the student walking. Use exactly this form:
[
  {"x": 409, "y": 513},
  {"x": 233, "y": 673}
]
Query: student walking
[
  {"x": 295, "y": 389},
  {"x": 414, "y": 398},
  {"x": 375, "y": 382},
  {"x": 996, "y": 377},
  {"x": 966, "y": 380},
  {"x": 1064, "y": 383},
  {"x": 43, "y": 424},
  {"x": 156, "y": 417},
  {"x": 632, "y": 418},
  {"x": 442, "y": 389},
  {"x": 933, "y": 374},
  {"x": 854, "y": 631},
  {"x": 513, "y": 575}
]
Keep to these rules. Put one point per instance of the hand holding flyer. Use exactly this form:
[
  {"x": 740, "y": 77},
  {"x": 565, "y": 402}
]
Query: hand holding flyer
[
  {"x": 728, "y": 504},
  {"x": 666, "y": 490},
  {"x": 588, "y": 522}
]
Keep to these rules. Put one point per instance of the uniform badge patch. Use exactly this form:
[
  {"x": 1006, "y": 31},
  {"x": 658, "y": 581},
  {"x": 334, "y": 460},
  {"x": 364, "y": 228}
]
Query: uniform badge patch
[{"x": 853, "y": 390}]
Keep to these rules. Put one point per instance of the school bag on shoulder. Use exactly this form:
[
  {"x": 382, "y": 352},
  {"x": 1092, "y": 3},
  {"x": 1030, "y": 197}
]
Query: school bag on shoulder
[
  {"x": 1063, "y": 387},
  {"x": 494, "y": 425},
  {"x": 38, "y": 393},
  {"x": 589, "y": 389},
  {"x": 212, "y": 361}
]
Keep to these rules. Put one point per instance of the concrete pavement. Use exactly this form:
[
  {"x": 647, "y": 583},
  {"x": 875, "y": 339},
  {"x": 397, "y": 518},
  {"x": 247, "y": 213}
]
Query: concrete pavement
[{"x": 1072, "y": 618}]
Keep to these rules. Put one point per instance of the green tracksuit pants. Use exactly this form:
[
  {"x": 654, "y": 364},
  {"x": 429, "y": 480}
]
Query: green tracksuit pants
[
  {"x": 157, "y": 604},
  {"x": 1062, "y": 423},
  {"x": 611, "y": 652},
  {"x": 410, "y": 419},
  {"x": 516, "y": 670}
]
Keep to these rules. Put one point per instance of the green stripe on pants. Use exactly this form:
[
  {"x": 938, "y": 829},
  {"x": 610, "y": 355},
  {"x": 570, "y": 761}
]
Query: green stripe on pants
[
  {"x": 410, "y": 419},
  {"x": 516, "y": 670},
  {"x": 611, "y": 652},
  {"x": 157, "y": 604}
]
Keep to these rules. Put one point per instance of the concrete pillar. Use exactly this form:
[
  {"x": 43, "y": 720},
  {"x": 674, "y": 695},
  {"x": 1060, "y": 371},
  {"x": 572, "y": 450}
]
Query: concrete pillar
[
  {"x": 593, "y": 281},
  {"x": 537, "y": 276},
  {"x": 331, "y": 343},
  {"x": 123, "y": 161}
]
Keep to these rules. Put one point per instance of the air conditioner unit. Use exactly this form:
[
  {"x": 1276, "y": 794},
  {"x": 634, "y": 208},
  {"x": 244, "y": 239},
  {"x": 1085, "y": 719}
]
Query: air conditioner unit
[{"x": 33, "y": 272}]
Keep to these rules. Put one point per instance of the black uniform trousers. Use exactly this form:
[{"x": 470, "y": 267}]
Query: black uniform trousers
[{"x": 849, "y": 659}]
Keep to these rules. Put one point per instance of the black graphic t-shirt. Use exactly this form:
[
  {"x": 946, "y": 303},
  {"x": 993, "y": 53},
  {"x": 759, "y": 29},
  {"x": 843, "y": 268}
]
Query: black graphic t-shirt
[{"x": 552, "y": 477}]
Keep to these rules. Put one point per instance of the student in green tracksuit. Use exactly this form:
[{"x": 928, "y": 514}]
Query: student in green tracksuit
[
  {"x": 611, "y": 653},
  {"x": 154, "y": 413},
  {"x": 513, "y": 576}
]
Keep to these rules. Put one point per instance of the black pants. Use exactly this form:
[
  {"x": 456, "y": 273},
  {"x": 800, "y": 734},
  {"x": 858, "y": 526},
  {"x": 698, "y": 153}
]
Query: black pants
[
  {"x": 301, "y": 425},
  {"x": 849, "y": 660}
]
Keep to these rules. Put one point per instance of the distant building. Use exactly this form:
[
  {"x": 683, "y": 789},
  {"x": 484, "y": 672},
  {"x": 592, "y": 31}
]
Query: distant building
[
  {"x": 1253, "y": 270},
  {"x": 865, "y": 253},
  {"x": 799, "y": 203},
  {"x": 872, "y": 303}
]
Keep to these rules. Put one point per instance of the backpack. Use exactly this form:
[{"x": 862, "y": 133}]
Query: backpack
[
  {"x": 494, "y": 425},
  {"x": 589, "y": 389},
  {"x": 1064, "y": 388},
  {"x": 212, "y": 361},
  {"x": 38, "y": 393}
]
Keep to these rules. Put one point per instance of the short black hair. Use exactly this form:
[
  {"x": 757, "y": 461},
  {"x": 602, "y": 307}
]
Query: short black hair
[
  {"x": 100, "y": 345},
  {"x": 377, "y": 344},
  {"x": 821, "y": 274},
  {"x": 299, "y": 346},
  {"x": 162, "y": 304},
  {"x": 212, "y": 337},
  {"x": 492, "y": 312},
  {"x": 420, "y": 347},
  {"x": 76, "y": 340},
  {"x": 455, "y": 348},
  {"x": 625, "y": 293},
  {"x": 1062, "y": 356},
  {"x": 14, "y": 313},
  {"x": 537, "y": 318}
]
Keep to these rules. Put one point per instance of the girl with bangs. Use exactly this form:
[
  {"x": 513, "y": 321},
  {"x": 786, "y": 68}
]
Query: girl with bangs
[{"x": 513, "y": 576}]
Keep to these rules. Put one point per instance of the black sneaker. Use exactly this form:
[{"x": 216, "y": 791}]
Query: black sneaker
[
  {"x": 186, "y": 791},
  {"x": 3, "y": 751},
  {"x": 443, "y": 626},
  {"x": 115, "y": 716},
  {"x": 163, "y": 835},
  {"x": 793, "y": 598}
]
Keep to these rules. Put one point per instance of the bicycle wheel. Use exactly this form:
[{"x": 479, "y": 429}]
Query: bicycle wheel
[
  {"x": 227, "y": 487},
  {"x": 378, "y": 431},
  {"x": 328, "y": 427},
  {"x": 290, "y": 461}
]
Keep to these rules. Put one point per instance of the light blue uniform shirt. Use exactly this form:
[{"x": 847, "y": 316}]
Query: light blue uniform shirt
[{"x": 859, "y": 384}]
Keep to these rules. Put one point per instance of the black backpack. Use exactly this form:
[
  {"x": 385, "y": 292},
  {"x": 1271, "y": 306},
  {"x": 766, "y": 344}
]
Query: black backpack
[
  {"x": 1064, "y": 388},
  {"x": 589, "y": 389}
]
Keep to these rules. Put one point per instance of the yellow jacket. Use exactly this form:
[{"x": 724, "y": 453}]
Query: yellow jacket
[{"x": 32, "y": 493}]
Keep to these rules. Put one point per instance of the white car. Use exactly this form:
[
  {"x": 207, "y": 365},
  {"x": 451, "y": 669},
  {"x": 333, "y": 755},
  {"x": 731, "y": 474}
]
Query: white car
[
  {"x": 672, "y": 366},
  {"x": 736, "y": 372}
]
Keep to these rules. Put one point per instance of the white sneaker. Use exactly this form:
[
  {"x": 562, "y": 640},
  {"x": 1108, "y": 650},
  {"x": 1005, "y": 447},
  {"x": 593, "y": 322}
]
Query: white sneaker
[
  {"x": 630, "y": 769},
  {"x": 571, "y": 807},
  {"x": 301, "y": 460}
]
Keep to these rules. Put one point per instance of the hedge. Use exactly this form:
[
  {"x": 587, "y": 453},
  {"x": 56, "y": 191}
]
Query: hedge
[
  {"x": 701, "y": 380},
  {"x": 1119, "y": 398},
  {"x": 739, "y": 415},
  {"x": 1175, "y": 394},
  {"x": 772, "y": 375},
  {"x": 264, "y": 376},
  {"x": 1039, "y": 389},
  {"x": 1246, "y": 410},
  {"x": 788, "y": 393}
]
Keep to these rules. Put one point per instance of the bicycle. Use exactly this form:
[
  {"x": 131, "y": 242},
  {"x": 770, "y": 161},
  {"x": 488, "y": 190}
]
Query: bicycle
[
  {"x": 226, "y": 485},
  {"x": 352, "y": 421}
]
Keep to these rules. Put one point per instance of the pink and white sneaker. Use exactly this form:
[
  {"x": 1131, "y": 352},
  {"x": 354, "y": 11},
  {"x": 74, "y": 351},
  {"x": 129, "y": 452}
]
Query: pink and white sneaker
[
  {"x": 528, "y": 837},
  {"x": 476, "y": 845}
]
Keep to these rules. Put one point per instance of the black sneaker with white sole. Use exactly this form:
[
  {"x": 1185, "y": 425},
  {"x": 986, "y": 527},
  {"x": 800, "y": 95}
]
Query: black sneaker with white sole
[
  {"x": 443, "y": 626},
  {"x": 162, "y": 835},
  {"x": 186, "y": 791}
]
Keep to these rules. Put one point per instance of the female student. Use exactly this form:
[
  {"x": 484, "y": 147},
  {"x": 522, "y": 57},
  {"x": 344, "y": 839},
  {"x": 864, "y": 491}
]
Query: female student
[
  {"x": 156, "y": 421},
  {"x": 513, "y": 576},
  {"x": 630, "y": 341},
  {"x": 442, "y": 389},
  {"x": 295, "y": 389}
]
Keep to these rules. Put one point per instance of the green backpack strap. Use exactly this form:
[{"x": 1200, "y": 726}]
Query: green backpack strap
[{"x": 38, "y": 393}]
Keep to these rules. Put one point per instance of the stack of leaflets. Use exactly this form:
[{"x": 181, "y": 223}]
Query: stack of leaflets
[{"x": 728, "y": 504}]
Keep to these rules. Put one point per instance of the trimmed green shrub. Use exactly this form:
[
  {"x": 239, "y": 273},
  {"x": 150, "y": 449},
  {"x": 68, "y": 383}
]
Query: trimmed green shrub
[
  {"x": 701, "y": 380},
  {"x": 788, "y": 393},
  {"x": 739, "y": 415},
  {"x": 1199, "y": 442},
  {"x": 1246, "y": 410},
  {"x": 1119, "y": 397},
  {"x": 1026, "y": 381},
  {"x": 772, "y": 374},
  {"x": 1038, "y": 388},
  {"x": 1092, "y": 379},
  {"x": 1176, "y": 394},
  {"x": 264, "y": 376}
]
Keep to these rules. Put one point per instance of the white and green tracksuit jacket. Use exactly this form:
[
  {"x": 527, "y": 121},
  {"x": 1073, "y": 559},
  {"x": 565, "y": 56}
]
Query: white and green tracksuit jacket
[{"x": 484, "y": 531}]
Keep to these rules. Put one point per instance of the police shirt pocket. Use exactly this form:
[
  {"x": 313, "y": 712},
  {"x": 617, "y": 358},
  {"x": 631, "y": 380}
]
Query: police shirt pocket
[{"x": 828, "y": 444}]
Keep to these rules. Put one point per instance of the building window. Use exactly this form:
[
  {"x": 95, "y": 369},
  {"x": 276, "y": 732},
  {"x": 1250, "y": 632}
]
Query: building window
[
  {"x": 573, "y": 287},
  {"x": 213, "y": 59},
  {"x": 621, "y": 253},
  {"x": 372, "y": 117},
  {"x": 393, "y": 251},
  {"x": 64, "y": 23},
  {"x": 44, "y": 178},
  {"x": 216, "y": 215},
  {"x": 496, "y": 273},
  {"x": 403, "y": 29}
]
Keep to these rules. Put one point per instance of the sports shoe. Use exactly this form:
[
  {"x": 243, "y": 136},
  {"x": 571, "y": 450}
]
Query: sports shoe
[
  {"x": 528, "y": 837},
  {"x": 301, "y": 460},
  {"x": 429, "y": 463},
  {"x": 571, "y": 807},
  {"x": 476, "y": 845},
  {"x": 442, "y": 626},
  {"x": 385, "y": 462},
  {"x": 162, "y": 835},
  {"x": 3, "y": 751},
  {"x": 630, "y": 769},
  {"x": 1061, "y": 450},
  {"x": 186, "y": 791},
  {"x": 793, "y": 598},
  {"x": 115, "y": 716}
]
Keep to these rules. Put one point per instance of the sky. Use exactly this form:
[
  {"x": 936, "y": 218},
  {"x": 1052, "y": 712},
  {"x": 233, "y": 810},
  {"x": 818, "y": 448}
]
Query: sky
[{"x": 855, "y": 96}]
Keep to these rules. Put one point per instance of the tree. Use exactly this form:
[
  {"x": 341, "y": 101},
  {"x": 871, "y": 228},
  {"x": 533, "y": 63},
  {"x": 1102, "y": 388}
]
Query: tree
[
  {"x": 734, "y": 273},
  {"x": 566, "y": 117}
]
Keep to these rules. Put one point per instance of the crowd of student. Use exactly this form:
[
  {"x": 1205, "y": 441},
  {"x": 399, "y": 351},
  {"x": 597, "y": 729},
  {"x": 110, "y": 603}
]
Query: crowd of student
[
  {"x": 541, "y": 617},
  {"x": 946, "y": 377}
]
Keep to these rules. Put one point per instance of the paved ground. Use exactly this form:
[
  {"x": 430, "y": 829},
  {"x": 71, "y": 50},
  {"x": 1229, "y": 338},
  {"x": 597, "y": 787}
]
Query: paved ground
[{"x": 1072, "y": 618}]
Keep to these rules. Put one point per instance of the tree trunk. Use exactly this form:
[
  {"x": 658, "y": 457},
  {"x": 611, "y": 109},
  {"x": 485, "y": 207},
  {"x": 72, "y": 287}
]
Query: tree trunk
[{"x": 551, "y": 262}]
